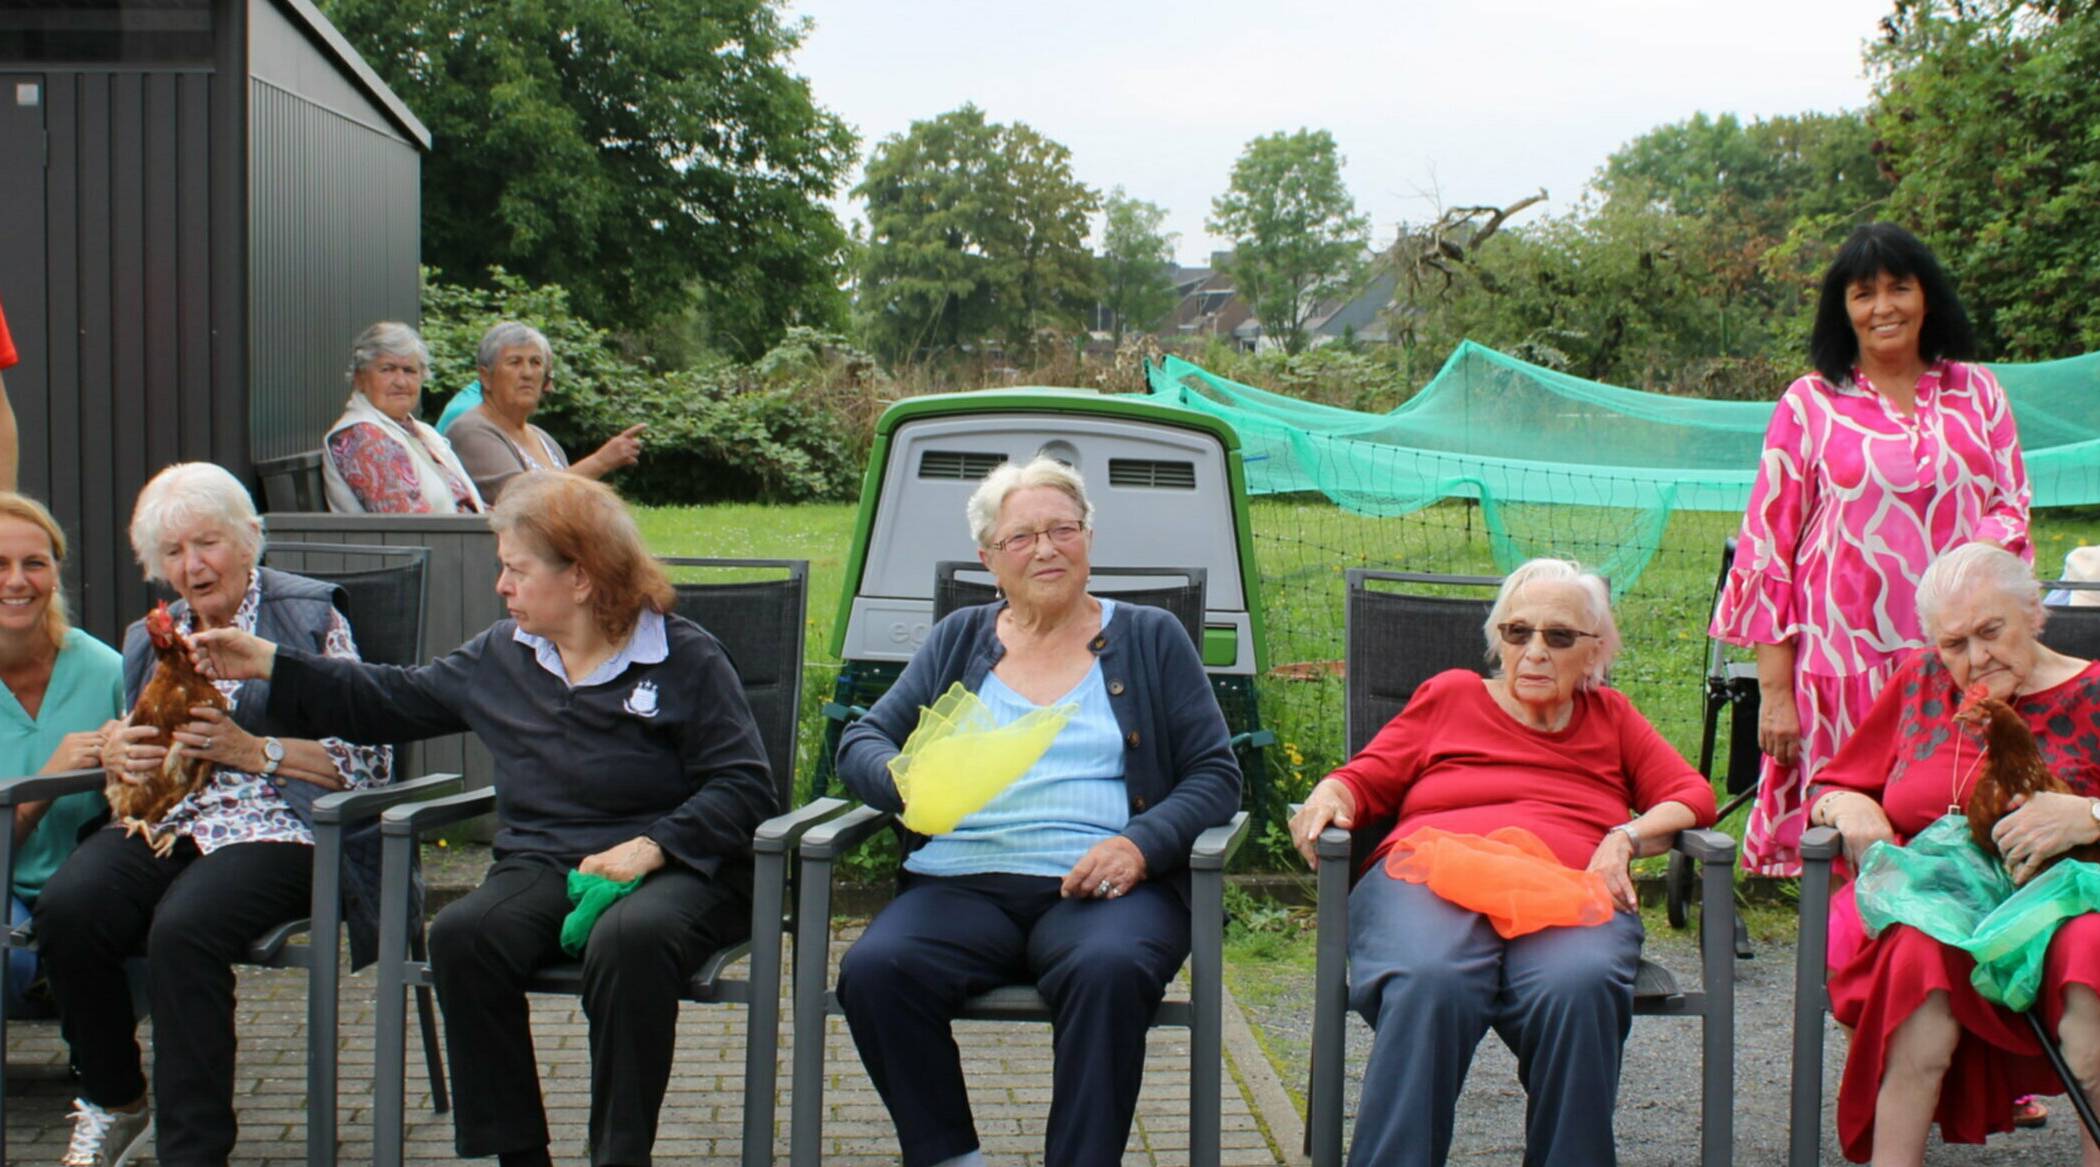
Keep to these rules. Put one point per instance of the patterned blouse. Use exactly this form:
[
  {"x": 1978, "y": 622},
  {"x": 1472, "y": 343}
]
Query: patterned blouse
[
  {"x": 236, "y": 807},
  {"x": 383, "y": 475},
  {"x": 1853, "y": 501}
]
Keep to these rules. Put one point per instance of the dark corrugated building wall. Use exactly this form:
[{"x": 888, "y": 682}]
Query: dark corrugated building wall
[{"x": 201, "y": 202}]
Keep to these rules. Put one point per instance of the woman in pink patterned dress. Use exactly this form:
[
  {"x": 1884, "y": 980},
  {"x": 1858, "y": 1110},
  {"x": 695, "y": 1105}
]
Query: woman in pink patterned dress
[{"x": 1889, "y": 453}]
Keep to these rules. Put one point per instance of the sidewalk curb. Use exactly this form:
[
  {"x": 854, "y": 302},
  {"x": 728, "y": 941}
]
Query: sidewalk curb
[{"x": 1264, "y": 1089}]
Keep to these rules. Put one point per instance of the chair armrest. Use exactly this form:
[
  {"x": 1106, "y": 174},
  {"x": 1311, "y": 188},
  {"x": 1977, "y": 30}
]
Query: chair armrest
[
  {"x": 349, "y": 806},
  {"x": 38, "y": 787},
  {"x": 1215, "y": 847},
  {"x": 780, "y": 833},
  {"x": 412, "y": 819},
  {"x": 1821, "y": 843},
  {"x": 840, "y": 835},
  {"x": 1706, "y": 846}
]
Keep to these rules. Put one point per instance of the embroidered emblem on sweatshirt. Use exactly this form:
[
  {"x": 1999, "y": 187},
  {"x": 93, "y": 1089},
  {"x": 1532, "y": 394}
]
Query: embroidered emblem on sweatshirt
[{"x": 642, "y": 702}]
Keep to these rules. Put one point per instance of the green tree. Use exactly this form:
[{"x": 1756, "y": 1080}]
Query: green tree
[
  {"x": 1986, "y": 113},
  {"x": 646, "y": 157},
  {"x": 975, "y": 229},
  {"x": 1137, "y": 262},
  {"x": 1296, "y": 233}
]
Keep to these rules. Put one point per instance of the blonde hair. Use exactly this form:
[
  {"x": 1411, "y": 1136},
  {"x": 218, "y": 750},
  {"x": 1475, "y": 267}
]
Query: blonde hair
[
  {"x": 1596, "y": 593},
  {"x": 191, "y": 492},
  {"x": 29, "y": 510},
  {"x": 1008, "y": 477}
]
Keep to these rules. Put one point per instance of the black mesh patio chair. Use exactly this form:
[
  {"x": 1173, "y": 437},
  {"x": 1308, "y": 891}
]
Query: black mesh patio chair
[
  {"x": 384, "y": 604},
  {"x": 1396, "y": 640},
  {"x": 2074, "y": 631},
  {"x": 760, "y": 623},
  {"x": 1202, "y": 1013}
]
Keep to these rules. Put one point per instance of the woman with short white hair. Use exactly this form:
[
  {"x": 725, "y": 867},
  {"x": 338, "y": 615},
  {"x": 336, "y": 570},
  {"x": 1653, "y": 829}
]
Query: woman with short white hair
[
  {"x": 1544, "y": 747},
  {"x": 382, "y": 459},
  {"x": 1927, "y": 1047},
  {"x": 1075, "y": 877},
  {"x": 239, "y": 851}
]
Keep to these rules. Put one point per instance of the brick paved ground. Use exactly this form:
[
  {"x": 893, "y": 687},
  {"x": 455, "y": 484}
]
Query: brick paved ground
[{"x": 1009, "y": 1066}]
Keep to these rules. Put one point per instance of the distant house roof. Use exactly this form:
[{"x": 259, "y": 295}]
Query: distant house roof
[
  {"x": 1362, "y": 314},
  {"x": 332, "y": 42}
]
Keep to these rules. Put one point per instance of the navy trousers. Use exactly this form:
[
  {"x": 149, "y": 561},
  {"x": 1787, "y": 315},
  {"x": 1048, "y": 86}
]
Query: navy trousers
[
  {"x": 1102, "y": 965},
  {"x": 1432, "y": 979},
  {"x": 635, "y": 966}
]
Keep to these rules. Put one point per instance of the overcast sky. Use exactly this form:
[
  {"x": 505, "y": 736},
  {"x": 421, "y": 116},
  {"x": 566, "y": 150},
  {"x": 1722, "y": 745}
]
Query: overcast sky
[{"x": 1481, "y": 102}]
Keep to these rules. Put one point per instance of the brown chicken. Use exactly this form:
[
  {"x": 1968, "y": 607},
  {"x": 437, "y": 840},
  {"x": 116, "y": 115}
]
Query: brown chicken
[
  {"x": 2011, "y": 765},
  {"x": 175, "y": 688}
]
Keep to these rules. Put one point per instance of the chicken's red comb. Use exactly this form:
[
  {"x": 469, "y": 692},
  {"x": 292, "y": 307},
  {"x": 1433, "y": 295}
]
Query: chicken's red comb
[{"x": 1973, "y": 696}]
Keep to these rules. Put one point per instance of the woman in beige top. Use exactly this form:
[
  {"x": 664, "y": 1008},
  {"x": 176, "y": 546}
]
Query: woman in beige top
[{"x": 497, "y": 441}]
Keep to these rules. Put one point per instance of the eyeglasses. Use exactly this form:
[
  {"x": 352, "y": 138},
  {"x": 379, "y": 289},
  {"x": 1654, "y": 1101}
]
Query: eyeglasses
[
  {"x": 1520, "y": 635},
  {"x": 1022, "y": 542}
]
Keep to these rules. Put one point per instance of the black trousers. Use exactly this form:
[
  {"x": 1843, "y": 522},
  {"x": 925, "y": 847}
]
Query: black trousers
[
  {"x": 1102, "y": 965},
  {"x": 195, "y": 915},
  {"x": 640, "y": 955}
]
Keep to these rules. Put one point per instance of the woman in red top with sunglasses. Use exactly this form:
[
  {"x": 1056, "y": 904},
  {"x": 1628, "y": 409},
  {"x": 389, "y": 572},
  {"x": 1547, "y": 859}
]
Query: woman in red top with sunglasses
[{"x": 1541, "y": 744}]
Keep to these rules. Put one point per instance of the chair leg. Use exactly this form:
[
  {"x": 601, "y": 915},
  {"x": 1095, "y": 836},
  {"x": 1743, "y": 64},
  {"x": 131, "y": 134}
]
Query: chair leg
[
  {"x": 426, "y": 1018},
  {"x": 1717, "y": 1045},
  {"x": 1207, "y": 1038}
]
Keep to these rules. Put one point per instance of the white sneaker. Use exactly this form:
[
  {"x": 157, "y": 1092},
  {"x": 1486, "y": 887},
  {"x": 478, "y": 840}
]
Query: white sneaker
[{"x": 105, "y": 1138}]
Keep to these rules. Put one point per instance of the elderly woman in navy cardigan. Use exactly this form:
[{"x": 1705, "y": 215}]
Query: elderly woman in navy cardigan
[{"x": 1075, "y": 877}]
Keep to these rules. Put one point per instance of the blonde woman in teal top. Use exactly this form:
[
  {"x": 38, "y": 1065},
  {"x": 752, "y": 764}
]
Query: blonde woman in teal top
[{"x": 64, "y": 688}]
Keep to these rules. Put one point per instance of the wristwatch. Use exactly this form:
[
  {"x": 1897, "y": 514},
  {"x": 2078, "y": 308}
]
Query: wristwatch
[
  {"x": 1633, "y": 834},
  {"x": 273, "y": 755}
]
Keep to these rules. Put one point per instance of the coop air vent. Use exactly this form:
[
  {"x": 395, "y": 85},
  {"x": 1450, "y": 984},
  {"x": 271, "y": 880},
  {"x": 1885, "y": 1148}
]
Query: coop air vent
[
  {"x": 1147, "y": 472},
  {"x": 952, "y": 465}
]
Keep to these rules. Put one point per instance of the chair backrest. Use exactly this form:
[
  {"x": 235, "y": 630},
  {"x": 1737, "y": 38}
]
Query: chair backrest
[
  {"x": 385, "y": 591},
  {"x": 761, "y": 623},
  {"x": 2073, "y": 631},
  {"x": 1185, "y": 599},
  {"x": 1397, "y": 639},
  {"x": 293, "y": 482}
]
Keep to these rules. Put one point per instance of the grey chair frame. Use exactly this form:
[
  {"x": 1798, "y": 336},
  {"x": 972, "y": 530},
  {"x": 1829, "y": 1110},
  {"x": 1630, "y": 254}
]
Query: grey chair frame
[
  {"x": 334, "y": 815},
  {"x": 773, "y": 843},
  {"x": 1202, "y": 1014},
  {"x": 1342, "y": 855}
]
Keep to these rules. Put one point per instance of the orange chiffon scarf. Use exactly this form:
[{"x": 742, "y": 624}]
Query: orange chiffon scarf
[{"x": 1509, "y": 876}]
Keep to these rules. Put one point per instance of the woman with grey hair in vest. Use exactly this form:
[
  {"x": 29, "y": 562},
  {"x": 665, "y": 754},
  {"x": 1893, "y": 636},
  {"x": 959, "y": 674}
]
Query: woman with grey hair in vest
[
  {"x": 241, "y": 853},
  {"x": 497, "y": 440}
]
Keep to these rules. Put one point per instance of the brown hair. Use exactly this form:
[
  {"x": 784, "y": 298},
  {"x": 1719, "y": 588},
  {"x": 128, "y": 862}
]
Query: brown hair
[
  {"x": 29, "y": 510},
  {"x": 571, "y": 520}
]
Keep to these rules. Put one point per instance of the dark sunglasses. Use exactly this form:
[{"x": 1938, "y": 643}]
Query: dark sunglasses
[{"x": 1520, "y": 635}]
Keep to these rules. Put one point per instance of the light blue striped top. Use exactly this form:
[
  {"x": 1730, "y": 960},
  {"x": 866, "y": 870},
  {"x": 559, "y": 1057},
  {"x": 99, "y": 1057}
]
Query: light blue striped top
[{"x": 1071, "y": 799}]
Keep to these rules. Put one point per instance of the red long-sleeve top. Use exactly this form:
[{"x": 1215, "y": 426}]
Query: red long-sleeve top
[{"x": 1455, "y": 759}]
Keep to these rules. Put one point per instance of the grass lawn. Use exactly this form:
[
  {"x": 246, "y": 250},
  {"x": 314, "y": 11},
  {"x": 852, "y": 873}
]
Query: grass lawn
[{"x": 1302, "y": 548}]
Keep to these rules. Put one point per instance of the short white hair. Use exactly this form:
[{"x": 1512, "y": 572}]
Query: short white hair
[
  {"x": 184, "y": 495},
  {"x": 388, "y": 338},
  {"x": 508, "y": 335},
  {"x": 1008, "y": 477},
  {"x": 1974, "y": 565},
  {"x": 1596, "y": 595}
]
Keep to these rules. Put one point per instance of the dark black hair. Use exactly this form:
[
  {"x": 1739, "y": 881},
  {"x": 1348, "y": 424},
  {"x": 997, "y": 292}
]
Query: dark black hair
[{"x": 1867, "y": 252}]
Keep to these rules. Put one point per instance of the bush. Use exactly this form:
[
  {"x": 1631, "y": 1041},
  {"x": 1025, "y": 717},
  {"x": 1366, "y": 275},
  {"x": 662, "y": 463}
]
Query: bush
[{"x": 791, "y": 426}]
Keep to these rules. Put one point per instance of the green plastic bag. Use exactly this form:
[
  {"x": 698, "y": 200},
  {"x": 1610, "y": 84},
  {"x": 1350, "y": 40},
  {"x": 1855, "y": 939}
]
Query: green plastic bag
[
  {"x": 591, "y": 894},
  {"x": 1945, "y": 886}
]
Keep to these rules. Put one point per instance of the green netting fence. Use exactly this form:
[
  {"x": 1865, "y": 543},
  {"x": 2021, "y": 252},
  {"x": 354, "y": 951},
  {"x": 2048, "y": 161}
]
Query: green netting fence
[{"x": 1496, "y": 461}]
